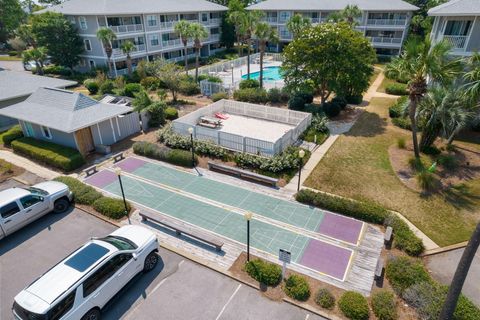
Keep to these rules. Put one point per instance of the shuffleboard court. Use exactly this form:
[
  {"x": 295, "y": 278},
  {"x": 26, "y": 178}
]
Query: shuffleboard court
[
  {"x": 309, "y": 218},
  {"x": 264, "y": 236}
]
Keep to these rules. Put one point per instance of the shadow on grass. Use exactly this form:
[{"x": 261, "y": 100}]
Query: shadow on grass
[
  {"x": 370, "y": 124},
  {"x": 461, "y": 197}
]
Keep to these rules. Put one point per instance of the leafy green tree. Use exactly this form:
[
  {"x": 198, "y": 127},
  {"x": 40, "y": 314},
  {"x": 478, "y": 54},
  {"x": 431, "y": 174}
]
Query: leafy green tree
[
  {"x": 25, "y": 33},
  {"x": 198, "y": 33},
  {"x": 420, "y": 61},
  {"x": 169, "y": 73},
  {"x": 11, "y": 16},
  {"x": 54, "y": 32},
  {"x": 421, "y": 23},
  {"x": 264, "y": 33},
  {"x": 248, "y": 23},
  {"x": 127, "y": 48},
  {"x": 349, "y": 14},
  {"x": 39, "y": 55},
  {"x": 472, "y": 78},
  {"x": 297, "y": 24},
  {"x": 235, "y": 14},
  {"x": 106, "y": 36},
  {"x": 141, "y": 101},
  {"x": 227, "y": 36},
  {"x": 184, "y": 30},
  {"x": 50, "y": 2},
  {"x": 326, "y": 58}
]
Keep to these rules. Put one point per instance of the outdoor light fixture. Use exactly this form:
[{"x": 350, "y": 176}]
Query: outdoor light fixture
[
  {"x": 248, "y": 217},
  {"x": 118, "y": 172},
  {"x": 301, "y": 154},
  {"x": 190, "y": 130}
]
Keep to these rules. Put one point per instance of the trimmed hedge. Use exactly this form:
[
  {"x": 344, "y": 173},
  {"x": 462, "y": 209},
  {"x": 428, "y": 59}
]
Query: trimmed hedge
[
  {"x": 173, "y": 156},
  {"x": 404, "y": 272},
  {"x": 171, "y": 113},
  {"x": 111, "y": 207},
  {"x": 403, "y": 123},
  {"x": 325, "y": 299},
  {"x": 398, "y": 89},
  {"x": 92, "y": 86},
  {"x": 249, "y": 83},
  {"x": 384, "y": 305},
  {"x": 264, "y": 272},
  {"x": 354, "y": 306},
  {"x": 53, "y": 154},
  {"x": 219, "y": 96},
  {"x": 331, "y": 109},
  {"x": 82, "y": 193},
  {"x": 297, "y": 287},
  {"x": 296, "y": 103},
  {"x": 14, "y": 133},
  {"x": 253, "y": 95}
]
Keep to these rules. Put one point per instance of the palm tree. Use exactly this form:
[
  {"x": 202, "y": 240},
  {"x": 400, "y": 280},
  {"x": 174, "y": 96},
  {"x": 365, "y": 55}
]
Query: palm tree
[
  {"x": 420, "y": 61},
  {"x": 38, "y": 55},
  {"x": 236, "y": 13},
  {"x": 350, "y": 13},
  {"x": 297, "y": 24},
  {"x": 184, "y": 30},
  {"x": 106, "y": 36},
  {"x": 264, "y": 33},
  {"x": 199, "y": 33},
  {"x": 247, "y": 27},
  {"x": 472, "y": 78},
  {"x": 460, "y": 275},
  {"x": 127, "y": 47}
]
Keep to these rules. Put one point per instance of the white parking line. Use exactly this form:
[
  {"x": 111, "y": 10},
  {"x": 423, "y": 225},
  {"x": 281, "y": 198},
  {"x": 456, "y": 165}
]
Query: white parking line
[
  {"x": 226, "y": 304},
  {"x": 307, "y": 316}
]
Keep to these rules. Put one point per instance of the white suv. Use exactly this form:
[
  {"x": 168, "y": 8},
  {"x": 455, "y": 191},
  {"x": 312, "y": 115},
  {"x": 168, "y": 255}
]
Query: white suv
[{"x": 81, "y": 285}]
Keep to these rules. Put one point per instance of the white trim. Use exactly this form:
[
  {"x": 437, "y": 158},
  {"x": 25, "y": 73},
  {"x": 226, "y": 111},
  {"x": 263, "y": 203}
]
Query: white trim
[
  {"x": 99, "y": 134},
  {"x": 113, "y": 131},
  {"x": 89, "y": 44},
  {"x": 42, "y": 128},
  {"x": 118, "y": 127},
  {"x": 470, "y": 33},
  {"x": 81, "y": 20}
]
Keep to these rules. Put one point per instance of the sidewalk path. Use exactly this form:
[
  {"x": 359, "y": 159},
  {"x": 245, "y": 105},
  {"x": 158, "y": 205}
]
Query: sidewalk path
[{"x": 28, "y": 165}]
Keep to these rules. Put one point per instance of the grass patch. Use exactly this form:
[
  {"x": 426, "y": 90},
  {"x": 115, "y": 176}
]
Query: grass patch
[
  {"x": 385, "y": 83},
  {"x": 9, "y": 58},
  {"x": 358, "y": 166}
]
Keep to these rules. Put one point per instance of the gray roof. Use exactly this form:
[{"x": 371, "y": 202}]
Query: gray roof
[
  {"x": 63, "y": 110},
  {"x": 457, "y": 8},
  {"x": 333, "y": 5},
  {"x": 14, "y": 84},
  {"x": 108, "y": 7}
]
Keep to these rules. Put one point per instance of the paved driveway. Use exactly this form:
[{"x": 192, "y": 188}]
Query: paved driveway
[
  {"x": 12, "y": 65},
  {"x": 176, "y": 289}
]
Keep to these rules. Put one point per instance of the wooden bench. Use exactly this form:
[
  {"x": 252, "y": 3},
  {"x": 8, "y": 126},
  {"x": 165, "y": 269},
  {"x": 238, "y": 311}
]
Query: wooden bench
[
  {"x": 379, "y": 269},
  {"x": 118, "y": 157},
  {"x": 242, "y": 174},
  {"x": 91, "y": 170},
  {"x": 182, "y": 229},
  {"x": 388, "y": 235}
]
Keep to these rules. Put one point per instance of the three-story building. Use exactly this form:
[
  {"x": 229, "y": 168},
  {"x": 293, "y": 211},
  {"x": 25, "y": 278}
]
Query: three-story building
[
  {"x": 149, "y": 24},
  {"x": 384, "y": 22}
]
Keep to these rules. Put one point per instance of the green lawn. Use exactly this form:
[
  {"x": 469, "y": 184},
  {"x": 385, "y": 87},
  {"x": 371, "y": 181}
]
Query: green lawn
[
  {"x": 9, "y": 58},
  {"x": 358, "y": 166},
  {"x": 385, "y": 83}
]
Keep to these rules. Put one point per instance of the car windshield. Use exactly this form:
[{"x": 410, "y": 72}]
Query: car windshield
[
  {"x": 37, "y": 191},
  {"x": 120, "y": 243}
]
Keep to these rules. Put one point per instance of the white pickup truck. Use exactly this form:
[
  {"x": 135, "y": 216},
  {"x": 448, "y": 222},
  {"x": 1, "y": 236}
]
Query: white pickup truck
[{"x": 21, "y": 206}]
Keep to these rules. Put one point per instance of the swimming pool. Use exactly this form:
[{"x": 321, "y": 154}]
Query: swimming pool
[{"x": 269, "y": 74}]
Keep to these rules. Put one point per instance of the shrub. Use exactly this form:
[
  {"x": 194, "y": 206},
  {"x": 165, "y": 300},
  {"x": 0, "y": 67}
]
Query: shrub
[
  {"x": 397, "y": 110},
  {"x": 319, "y": 123},
  {"x": 249, "y": 83},
  {"x": 404, "y": 238},
  {"x": 401, "y": 143},
  {"x": 331, "y": 109},
  {"x": 296, "y": 103},
  {"x": 403, "y": 272},
  {"x": 111, "y": 207},
  {"x": 426, "y": 180},
  {"x": 297, "y": 287},
  {"x": 10, "y": 135},
  {"x": 285, "y": 161},
  {"x": 253, "y": 95},
  {"x": 12, "y": 53},
  {"x": 91, "y": 85},
  {"x": 107, "y": 87},
  {"x": 448, "y": 161},
  {"x": 50, "y": 153},
  {"x": 274, "y": 95},
  {"x": 403, "y": 123},
  {"x": 132, "y": 88},
  {"x": 353, "y": 305},
  {"x": 171, "y": 113},
  {"x": 219, "y": 96},
  {"x": 355, "y": 99},
  {"x": 416, "y": 164},
  {"x": 189, "y": 88},
  {"x": 325, "y": 299},
  {"x": 384, "y": 305},
  {"x": 180, "y": 157},
  {"x": 59, "y": 70},
  {"x": 398, "y": 89},
  {"x": 264, "y": 272},
  {"x": 307, "y": 97},
  {"x": 149, "y": 83},
  {"x": 82, "y": 193},
  {"x": 157, "y": 113},
  {"x": 154, "y": 151},
  {"x": 342, "y": 102}
]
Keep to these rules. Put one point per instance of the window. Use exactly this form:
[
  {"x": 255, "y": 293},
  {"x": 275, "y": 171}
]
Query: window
[
  {"x": 92, "y": 64},
  {"x": 285, "y": 15},
  {"x": 88, "y": 45},
  {"x": 119, "y": 242},
  {"x": 204, "y": 17},
  {"x": 28, "y": 129},
  {"x": 46, "y": 132},
  {"x": 137, "y": 20},
  {"x": 72, "y": 20},
  {"x": 152, "y": 21},
  {"x": 83, "y": 23},
  {"x": 61, "y": 308},
  {"x": 457, "y": 28},
  {"x": 30, "y": 200},
  {"x": 104, "y": 273},
  {"x": 154, "y": 40},
  {"x": 9, "y": 210}
]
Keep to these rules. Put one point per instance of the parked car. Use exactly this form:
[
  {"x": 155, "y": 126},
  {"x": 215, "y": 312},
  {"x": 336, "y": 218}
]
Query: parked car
[
  {"x": 30, "y": 65},
  {"x": 81, "y": 285},
  {"x": 21, "y": 206}
]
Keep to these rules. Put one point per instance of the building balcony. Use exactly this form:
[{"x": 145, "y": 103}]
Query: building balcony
[
  {"x": 119, "y": 53},
  {"x": 127, "y": 28},
  {"x": 285, "y": 36},
  {"x": 172, "y": 43},
  {"x": 457, "y": 42},
  {"x": 214, "y": 37},
  {"x": 270, "y": 19},
  {"x": 385, "y": 40},
  {"x": 215, "y": 21},
  {"x": 167, "y": 24},
  {"x": 386, "y": 22}
]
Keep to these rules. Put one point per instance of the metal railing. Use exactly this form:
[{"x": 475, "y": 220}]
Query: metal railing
[
  {"x": 213, "y": 37},
  {"x": 171, "y": 43},
  {"x": 138, "y": 48},
  {"x": 385, "y": 40},
  {"x": 457, "y": 42},
  {"x": 212, "y": 21},
  {"x": 167, "y": 24},
  {"x": 126, "y": 28},
  {"x": 386, "y": 22},
  {"x": 270, "y": 19}
]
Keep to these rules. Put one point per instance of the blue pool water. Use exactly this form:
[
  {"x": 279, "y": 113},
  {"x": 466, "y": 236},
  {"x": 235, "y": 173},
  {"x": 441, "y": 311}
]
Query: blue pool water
[{"x": 269, "y": 74}]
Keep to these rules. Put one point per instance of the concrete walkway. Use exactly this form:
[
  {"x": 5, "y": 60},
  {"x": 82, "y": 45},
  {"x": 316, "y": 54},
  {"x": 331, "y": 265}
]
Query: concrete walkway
[{"x": 29, "y": 165}]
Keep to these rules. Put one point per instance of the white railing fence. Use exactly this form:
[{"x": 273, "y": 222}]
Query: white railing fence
[{"x": 457, "y": 42}]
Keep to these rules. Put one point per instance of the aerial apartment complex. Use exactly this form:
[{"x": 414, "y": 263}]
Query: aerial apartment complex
[
  {"x": 149, "y": 24},
  {"x": 384, "y": 22}
]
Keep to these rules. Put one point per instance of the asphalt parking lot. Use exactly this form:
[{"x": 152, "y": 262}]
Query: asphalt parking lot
[
  {"x": 12, "y": 65},
  {"x": 176, "y": 289}
]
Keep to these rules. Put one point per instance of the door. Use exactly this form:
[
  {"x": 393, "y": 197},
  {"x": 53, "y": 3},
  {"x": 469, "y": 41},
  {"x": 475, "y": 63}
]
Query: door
[
  {"x": 34, "y": 207},
  {"x": 13, "y": 218},
  {"x": 84, "y": 140}
]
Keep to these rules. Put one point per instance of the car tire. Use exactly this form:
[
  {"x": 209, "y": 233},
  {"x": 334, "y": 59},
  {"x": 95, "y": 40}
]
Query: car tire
[
  {"x": 150, "y": 261},
  {"x": 60, "y": 206},
  {"x": 93, "y": 314}
]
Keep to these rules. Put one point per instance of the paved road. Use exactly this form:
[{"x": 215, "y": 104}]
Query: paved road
[
  {"x": 12, "y": 65},
  {"x": 176, "y": 289},
  {"x": 443, "y": 266}
]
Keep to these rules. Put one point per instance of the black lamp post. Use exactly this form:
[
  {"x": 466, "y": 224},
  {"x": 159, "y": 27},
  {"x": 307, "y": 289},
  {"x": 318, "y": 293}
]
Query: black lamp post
[
  {"x": 118, "y": 171},
  {"x": 190, "y": 130},
  {"x": 248, "y": 217},
  {"x": 301, "y": 154}
]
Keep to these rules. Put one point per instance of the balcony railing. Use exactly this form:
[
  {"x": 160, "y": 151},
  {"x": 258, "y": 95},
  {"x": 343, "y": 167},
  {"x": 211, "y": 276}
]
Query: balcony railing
[
  {"x": 126, "y": 28},
  {"x": 214, "y": 37},
  {"x": 457, "y": 42},
  {"x": 171, "y": 43},
  {"x": 167, "y": 24},
  {"x": 386, "y": 22},
  {"x": 285, "y": 35},
  {"x": 385, "y": 40},
  {"x": 138, "y": 48},
  {"x": 270, "y": 19},
  {"x": 212, "y": 21}
]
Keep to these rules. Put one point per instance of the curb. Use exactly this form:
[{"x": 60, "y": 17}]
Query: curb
[
  {"x": 92, "y": 213},
  {"x": 310, "y": 309},
  {"x": 445, "y": 249}
]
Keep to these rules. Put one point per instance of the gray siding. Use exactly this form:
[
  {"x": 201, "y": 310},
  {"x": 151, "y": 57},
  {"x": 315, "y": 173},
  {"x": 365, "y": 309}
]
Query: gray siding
[
  {"x": 474, "y": 43},
  {"x": 122, "y": 127},
  {"x": 103, "y": 134},
  {"x": 59, "y": 137}
]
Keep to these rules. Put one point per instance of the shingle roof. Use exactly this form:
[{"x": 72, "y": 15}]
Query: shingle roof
[
  {"x": 104, "y": 7},
  {"x": 333, "y": 5},
  {"x": 14, "y": 84},
  {"x": 457, "y": 8},
  {"x": 63, "y": 110}
]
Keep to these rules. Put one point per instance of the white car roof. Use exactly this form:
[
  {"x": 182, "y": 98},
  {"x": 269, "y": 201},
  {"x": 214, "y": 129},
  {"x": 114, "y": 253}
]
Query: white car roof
[{"x": 12, "y": 194}]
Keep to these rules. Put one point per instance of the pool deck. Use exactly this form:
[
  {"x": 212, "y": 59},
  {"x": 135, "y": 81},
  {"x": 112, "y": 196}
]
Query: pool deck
[{"x": 226, "y": 76}]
